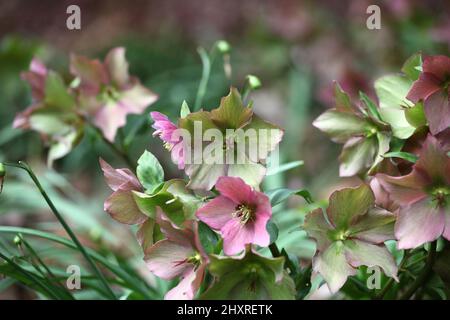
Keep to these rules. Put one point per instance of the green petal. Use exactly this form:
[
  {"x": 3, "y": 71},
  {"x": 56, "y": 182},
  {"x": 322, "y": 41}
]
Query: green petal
[
  {"x": 376, "y": 226},
  {"x": 357, "y": 156},
  {"x": 149, "y": 172},
  {"x": 317, "y": 227},
  {"x": 348, "y": 204},
  {"x": 231, "y": 113},
  {"x": 341, "y": 126}
]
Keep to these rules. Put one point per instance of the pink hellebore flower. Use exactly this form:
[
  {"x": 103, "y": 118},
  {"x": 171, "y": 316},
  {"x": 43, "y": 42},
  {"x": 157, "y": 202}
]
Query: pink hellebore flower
[
  {"x": 165, "y": 130},
  {"x": 240, "y": 213},
  {"x": 108, "y": 92},
  {"x": 423, "y": 196},
  {"x": 179, "y": 255},
  {"x": 433, "y": 88}
]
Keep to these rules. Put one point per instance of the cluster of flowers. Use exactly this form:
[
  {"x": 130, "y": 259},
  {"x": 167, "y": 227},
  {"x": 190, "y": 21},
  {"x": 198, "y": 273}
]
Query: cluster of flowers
[
  {"x": 411, "y": 195},
  {"x": 100, "y": 93},
  {"x": 216, "y": 222}
]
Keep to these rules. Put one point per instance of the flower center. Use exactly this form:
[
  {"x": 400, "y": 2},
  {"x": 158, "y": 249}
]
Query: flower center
[
  {"x": 371, "y": 132},
  {"x": 194, "y": 259},
  {"x": 339, "y": 235},
  {"x": 441, "y": 195},
  {"x": 244, "y": 213},
  {"x": 109, "y": 93}
]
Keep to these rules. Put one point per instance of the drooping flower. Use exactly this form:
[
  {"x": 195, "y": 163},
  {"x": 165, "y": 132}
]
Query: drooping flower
[
  {"x": 165, "y": 130},
  {"x": 351, "y": 235},
  {"x": 423, "y": 196},
  {"x": 240, "y": 214},
  {"x": 52, "y": 112},
  {"x": 107, "y": 92},
  {"x": 179, "y": 255},
  {"x": 249, "y": 276},
  {"x": 121, "y": 204},
  {"x": 432, "y": 88},
  {"x": 365, "y": 138},
  {"x": 232, "y": 141}
]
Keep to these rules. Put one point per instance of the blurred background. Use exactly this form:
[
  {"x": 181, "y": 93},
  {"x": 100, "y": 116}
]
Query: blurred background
[{"x": 297, "y": 48}]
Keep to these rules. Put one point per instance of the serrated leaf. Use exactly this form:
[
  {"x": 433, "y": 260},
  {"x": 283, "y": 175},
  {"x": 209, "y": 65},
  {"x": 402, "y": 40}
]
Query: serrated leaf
[{"x": 149, "y": 172}]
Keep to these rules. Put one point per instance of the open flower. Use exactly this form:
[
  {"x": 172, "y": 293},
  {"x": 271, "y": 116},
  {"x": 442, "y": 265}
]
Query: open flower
[
  {"x": 240, "y": 214},
  {"x": 179, "y": 255},
  {"x": 365, "y": 138},
  {"x": 423, "y": 196},
  {"x": 165, "y": 130},
  {"x": 52, "y": 112},
  {"x": 351, "y": 235},
  {"x": 433, "y": 88},
  {"x": 107, "y": 92},
  {"x": 233, "y": 142}
]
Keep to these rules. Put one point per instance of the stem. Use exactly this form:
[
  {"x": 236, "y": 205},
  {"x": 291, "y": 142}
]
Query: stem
[
  {"x": 422, "y": 278},
  {"x": 390, "y": 282},
  {"x": 274, "y": 250},
  {"x": 276, "y": 253},
  {"x": 24, "y": 166},
  {"x": 206, "y": 63}
]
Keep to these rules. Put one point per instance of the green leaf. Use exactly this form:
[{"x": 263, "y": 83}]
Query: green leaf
[
  {"x": 208, "y": 238},
  {"x": 279, "y": 195},
  {"x": 412, "y": 67},
  {"x": 373, "y": 109},
  {"x": 416, "y": 115},
  {"x": 403, "y": 155},
  {"x": 184, "y": 111},
  {"x": 272, "y": 228},
  {"x": 284, "y": 167},
  {"x": 149, "y": 172}
]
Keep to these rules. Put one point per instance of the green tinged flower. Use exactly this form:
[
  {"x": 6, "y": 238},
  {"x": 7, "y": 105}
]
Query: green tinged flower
[
  {"x": 349, "y": 235},
  {"x": 233, "y": 142},
  {"x": 365, "y": 137},
  {"x": 249, "y": 277}
]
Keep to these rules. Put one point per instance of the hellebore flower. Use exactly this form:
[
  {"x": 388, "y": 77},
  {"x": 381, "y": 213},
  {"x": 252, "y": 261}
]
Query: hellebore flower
[
  {"x": 423, "y": 196},
  {"x": 249, "y": 276},
  {"x": 432, "y": 88},
  {"x": 122, "y": 206},
  {"x": 179, "y": 255},
  {"x": 107, "y": 92},
  {"x": 165, "y": 130},
  {"x": 53, "y": 111},
  {"x": 365, "y": 138},
  {"x": 351, "y": 235},
  {"x": 240, "y": 214},
  {"x": 228, "y": 141}
]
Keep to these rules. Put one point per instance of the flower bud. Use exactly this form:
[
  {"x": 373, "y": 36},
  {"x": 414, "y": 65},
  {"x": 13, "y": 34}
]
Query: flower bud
[
  {"x": 223, "y": 46},
  {"x": 254, "y": 82}
]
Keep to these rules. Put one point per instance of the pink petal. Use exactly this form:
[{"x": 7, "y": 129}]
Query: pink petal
[
  {"x": 419, "y": 223},
  {"x": 166, "y": 259},
  {"x": 117, "y": 66},
  {"x": 406, "y": 189},
  {"x": 137, "y": 98},
  {"x": 92, "y": 73},
  {"x": 236, "y": 236},
  {"x": 426, "y": 85},
  {"x": 122, "y": 207},
  {"x": 437, "y": 111},
  {"x": 188, "y": 286},
  {"x": 217, "y": 212},
  {"x": 119, "y": 178},
  {"x": 110, "y": 118},
  {"x": 446, "y": 233},
  {"x": 438, "y": 65},
  {"x": 183, "y": 236},
  {"x": 433, "y": 160},
  {"x": 235, "y": 189}
]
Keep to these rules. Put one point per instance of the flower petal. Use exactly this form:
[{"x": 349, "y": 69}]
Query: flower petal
[
  {"x": 217, "y": 212},
  {"x": 317, "y": 228},
  {"x": 437, "y": 111},
  {"x": 433, "y": 160},
  {"x": 117, "y": 66},
  {"x": 438, "y": 65},
  {"x": 405, "y": 189},
  {"x": 188, "y": 286},
  {"x": 341, "y": 126},
  {"x": 166, "y": 259},
  {"x": 346, "y": 205},
  {"x": 376, "y": 226},
  {"x": 122, "y": 207},
  {"x": 117, "y": 178},
  {"x": 235, "y": 189},
  {"x": 419, "y": 223},
  {"x": 236, "y": 236},
  {"x": 357, "y": 156},
  {"x": 426, "y": 85},
  {"x": 137, "y": 98},
  {"x": 92, "y": 73}
]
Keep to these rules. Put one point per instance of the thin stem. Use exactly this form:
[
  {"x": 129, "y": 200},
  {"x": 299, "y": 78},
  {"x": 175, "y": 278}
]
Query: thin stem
[
  {"x": 423, "y": 277},
  {"x": 24, "y": 166},
  {"x": 274, "y": 250},
  {"x": 390, "y": 282},
  {"x": 206, "y": 64}
]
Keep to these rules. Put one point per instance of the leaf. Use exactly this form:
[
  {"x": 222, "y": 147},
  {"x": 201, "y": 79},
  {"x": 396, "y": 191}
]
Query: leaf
[
  {"x": 56, "y": 94},
  {"x": 373, "y": 109},
  {"x": 284, "y": 167},
  {"x": 272, "y": 228},
  {"x": 149, "y": 172},
  {"x": 416, "y": 115},
  {"x": 402, "y": 155},
  {"x": 184, "y": 111},
  {"x": 411, "y": 68},
  {"x": 208, "y": 238},
  {"x": 279, "y": 195}
]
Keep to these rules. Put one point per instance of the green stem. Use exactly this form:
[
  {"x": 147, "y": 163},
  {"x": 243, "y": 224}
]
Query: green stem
[
  {"x": 24, "y": 166},
  {"x": 423, "y": 277},
  {"x": 206, "y": 64},
  {"x": 274, "y": 250}
]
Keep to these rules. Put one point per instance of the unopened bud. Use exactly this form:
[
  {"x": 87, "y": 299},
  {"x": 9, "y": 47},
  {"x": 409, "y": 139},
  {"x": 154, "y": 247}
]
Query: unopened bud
[
  {"x": 254, "y": 82},
  {"x": 223, "y": 46}
]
